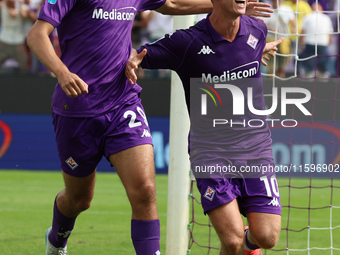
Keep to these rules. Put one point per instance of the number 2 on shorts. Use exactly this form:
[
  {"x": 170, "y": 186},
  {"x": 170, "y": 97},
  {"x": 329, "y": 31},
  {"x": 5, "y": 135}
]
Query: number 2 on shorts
[{"x": 133, "y": 123}]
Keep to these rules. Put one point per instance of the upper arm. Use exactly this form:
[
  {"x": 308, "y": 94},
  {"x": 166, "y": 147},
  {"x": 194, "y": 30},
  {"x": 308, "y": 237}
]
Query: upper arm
[
  {"x": 41, "y": 29},
  {"x": 168, "y": 52},
  {"x": 54, "y": 13},
  {"x": 166, "y": 7},
  {"x": 151, "y": 5},
  {"x": 183, "y": 7}
]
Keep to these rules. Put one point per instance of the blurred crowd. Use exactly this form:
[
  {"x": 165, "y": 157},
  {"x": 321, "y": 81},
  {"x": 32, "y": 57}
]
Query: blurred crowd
[
  {"x": 311, "y": 32},
  {"x": 310, "y": 29},
  {"x": 16, "y": 19}
]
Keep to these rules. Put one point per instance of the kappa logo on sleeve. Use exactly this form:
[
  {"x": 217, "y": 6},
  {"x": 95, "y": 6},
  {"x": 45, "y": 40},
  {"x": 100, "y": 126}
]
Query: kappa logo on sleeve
[
  {"x": 209, "y": 193},
  {"x": 52, "y": 1},
  {"x": 71, "y": 163},
  {"x": 252, "y": 41}
]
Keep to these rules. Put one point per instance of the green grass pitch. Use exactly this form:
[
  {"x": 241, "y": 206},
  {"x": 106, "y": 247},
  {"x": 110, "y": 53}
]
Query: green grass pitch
[{"x": 26, "y": 200}]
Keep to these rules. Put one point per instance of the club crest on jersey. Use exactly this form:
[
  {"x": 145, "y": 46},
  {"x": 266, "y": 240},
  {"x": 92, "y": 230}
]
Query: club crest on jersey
[
  {"x": 252, "y": 41},
  {"x": 209, "y": 193},
  {"x": 52, "y": 1},
  {"x": 71, "y": 163}
]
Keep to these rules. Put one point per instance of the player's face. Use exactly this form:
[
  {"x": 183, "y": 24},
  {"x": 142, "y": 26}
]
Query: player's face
[{"x": 237, "y": 7}]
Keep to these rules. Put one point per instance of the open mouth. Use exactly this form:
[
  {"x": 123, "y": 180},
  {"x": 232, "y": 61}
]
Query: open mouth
[{"x": 241, "y": 3}]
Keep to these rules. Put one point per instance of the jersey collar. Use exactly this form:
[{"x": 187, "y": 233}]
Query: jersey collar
[{"x": 217, "y": 37}]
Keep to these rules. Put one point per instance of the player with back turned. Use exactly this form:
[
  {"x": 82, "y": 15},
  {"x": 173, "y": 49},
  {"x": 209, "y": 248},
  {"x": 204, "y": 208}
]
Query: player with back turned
[{"x": 225, "y": 48}]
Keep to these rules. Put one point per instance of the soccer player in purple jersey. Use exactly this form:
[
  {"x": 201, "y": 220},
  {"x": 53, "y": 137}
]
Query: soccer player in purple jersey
[
  {"x": 96, "y": 112},
  {"x": 226, "y": 47}
]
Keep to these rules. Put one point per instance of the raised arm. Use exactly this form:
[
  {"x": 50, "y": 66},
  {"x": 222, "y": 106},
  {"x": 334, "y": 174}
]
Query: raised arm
[
  {"x": 40, "y": 44},
  {"x": 258, "y": 9},
  {"x": 182, "y": 7}
]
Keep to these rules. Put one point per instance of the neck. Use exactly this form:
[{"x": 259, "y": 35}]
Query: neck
[{"x": 226, "y": 26}]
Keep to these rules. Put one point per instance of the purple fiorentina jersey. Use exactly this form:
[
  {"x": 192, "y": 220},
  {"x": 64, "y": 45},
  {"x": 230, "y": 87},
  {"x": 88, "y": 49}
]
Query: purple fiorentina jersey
[
  {"x": 201, "y": 53},
  {"x": 95, "y": 41}
]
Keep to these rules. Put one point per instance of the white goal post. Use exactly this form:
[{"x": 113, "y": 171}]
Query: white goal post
[{"x": 179, "y": 166}]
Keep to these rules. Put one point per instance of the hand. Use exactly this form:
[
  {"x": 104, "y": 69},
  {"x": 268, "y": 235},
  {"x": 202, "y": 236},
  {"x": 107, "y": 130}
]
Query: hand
[
  {"x": 132, "y": 64},
  {"x": 269, "y": 49},
  {"x": 72, "y": 85},
  {"x": 257, "y": 9}
]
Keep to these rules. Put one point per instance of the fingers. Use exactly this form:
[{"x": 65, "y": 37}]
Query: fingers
[
  {"x": 277, "y": 42},
  {"x": 256, "y": 3},
  {"x": 132, "y": 65},
  {"x": 142, "y": 54},
  {"x": 264, "y": 7},
  {"x": 75, "y": 90},
  {"x": 259, "y": 9},
  {"x": 261, "y": 14},
  {"x": 272, "y": 53},
  {"x": 269, "y": 50},
  {"x": 272, "y": 46},
  {"x": 266, "y": 58},
  {"x": 130, "y": 72},
  {"x": 130, "y": 75},
  {"x": 73, "y": 86}
]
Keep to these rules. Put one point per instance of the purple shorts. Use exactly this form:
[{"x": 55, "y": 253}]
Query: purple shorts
[
  {"x": 255, "y": 193},
  {"x": 82, "y": 142}
]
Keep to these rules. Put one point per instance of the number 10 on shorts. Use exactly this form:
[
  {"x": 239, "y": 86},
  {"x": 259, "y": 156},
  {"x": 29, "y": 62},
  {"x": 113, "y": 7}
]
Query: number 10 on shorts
[{"x": 271, "y": 185}]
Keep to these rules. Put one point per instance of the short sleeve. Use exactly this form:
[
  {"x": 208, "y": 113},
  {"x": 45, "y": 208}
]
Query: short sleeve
[
  {"x": 53, "y": 11},
  {"x": 168, "y": 52}
]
